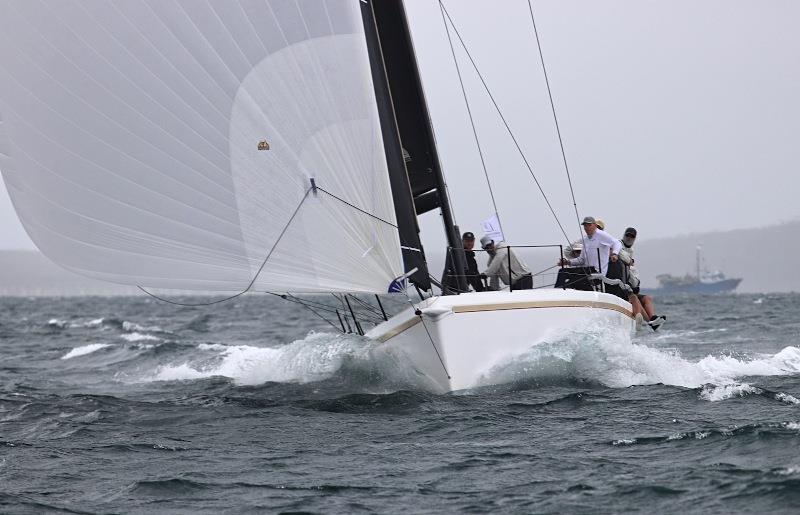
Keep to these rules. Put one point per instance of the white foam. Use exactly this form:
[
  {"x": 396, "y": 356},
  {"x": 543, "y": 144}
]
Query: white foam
[
  {"x": 138, "y": 337},
  {"x": 795, "y": 426},
  {"x": 727, "y": 391},
  {"x": 624, "y": 441},
  {"x": 54, "y": 322},
  {"x": 314, "y": 358},
  {"x": 85, "y": 349},
  {"x": 788, "y": 399},
  {"x": 785, "y": 362},
  {"x": 91, "y": 323},
  {"x": 134, "y": 327},
  {"x": 178, "y": 373},
  {"x": 212, "y": 346},
  {"x": 600, "y": 355},
  {"x": 595, "y": 354}
]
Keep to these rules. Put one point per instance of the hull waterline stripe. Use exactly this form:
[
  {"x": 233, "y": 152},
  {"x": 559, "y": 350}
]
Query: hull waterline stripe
[
  {"x": 408, "y": 324},
  {"x": 543, "y": 304}
]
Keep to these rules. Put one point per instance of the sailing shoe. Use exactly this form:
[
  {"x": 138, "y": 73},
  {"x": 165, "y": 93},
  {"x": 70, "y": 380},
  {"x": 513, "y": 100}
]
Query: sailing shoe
[{"x": 656, "y": 321}]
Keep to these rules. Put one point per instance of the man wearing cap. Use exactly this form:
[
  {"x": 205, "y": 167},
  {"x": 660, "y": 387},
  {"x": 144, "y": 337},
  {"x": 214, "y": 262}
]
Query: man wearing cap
[
  {"x": 641, "y": 303},
  {"x": 450, "y": 279},
  {"x": 626, "y": 256},
  {"x": 573, "y": 250},
  {"x": 517, "y": 276},
  {"x": 595, "y": 240},
  {"x": 473, "y": 276}
]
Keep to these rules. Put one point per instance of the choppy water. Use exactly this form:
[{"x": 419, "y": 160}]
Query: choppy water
[{"x": 129, "y": 405}]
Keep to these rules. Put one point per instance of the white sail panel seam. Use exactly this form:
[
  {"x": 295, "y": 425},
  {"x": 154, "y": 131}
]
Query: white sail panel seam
[
  {"x": 165, "y": 258},
  {"x": 84, "y": 187},
  {"x": 124, "y": 128},
  {"x": 157, "y": 78},
  {"x": 99, "y": 166}
]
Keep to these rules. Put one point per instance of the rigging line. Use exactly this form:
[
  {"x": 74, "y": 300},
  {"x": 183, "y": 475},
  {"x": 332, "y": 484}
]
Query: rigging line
[
  {"x": 307, "y": 306},
  {"x": 253, "y": 281},
  {"x": 555, "y": 119},
  {"x": 367, "y": 314},
  {"x": 503, "y": 119},
  {"x": 323, "y": 190},
  {"x": 418, "y": 313},
  {"x": 471, "y": 120},
  {"x": 372, "y": 309},
  {"x": 540, "y": 272},
  {"x": 298, "y": 301}
]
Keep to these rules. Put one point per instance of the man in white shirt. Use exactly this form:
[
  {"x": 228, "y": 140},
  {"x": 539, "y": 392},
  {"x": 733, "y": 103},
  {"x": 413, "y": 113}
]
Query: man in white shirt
[{"x": 595, "y": 240}]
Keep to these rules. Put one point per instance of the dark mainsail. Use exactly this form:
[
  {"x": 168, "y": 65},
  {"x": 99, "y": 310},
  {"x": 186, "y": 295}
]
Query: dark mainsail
[{"x": 415, "y": 173}]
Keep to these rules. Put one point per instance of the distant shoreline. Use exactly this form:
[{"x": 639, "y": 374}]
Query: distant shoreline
[{"x": 737, "y": 253}]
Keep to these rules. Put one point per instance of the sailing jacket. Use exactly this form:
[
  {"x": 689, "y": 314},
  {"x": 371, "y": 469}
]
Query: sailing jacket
[
  {"x": 498, "y": 267},
  {"x": 626, "y": 256},
  {"x": 599, "y": 240},
  {"x": 473, "y": 276}
]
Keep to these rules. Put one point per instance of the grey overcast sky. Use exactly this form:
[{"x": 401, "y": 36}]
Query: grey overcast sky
[{"x": 677, "y": 116}]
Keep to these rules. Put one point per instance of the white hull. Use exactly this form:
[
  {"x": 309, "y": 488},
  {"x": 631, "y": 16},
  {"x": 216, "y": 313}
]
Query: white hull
[{"x": 476, "y": 332}]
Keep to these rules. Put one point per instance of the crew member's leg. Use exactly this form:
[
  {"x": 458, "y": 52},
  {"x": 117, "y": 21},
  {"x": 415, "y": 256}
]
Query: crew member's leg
[
  {"x": 648, "y": 305},
  {"x": 637, "y": 306}
]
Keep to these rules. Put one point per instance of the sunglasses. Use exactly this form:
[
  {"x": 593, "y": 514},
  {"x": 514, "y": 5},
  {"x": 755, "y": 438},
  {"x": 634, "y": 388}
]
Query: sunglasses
[{"x": 629, "y": 235}]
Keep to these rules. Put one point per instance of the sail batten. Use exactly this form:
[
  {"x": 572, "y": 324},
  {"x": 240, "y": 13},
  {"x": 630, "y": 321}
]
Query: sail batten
[{"x": 132, "y": 146}]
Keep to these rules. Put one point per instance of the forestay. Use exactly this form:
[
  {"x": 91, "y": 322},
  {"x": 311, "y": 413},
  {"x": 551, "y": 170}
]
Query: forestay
[{"x": 130, "y": 142}]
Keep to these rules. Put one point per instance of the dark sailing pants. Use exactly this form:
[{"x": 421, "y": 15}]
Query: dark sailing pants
[{"x": 523, "y": 283}]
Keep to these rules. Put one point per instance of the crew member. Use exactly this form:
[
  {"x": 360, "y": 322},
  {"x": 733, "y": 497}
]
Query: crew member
[
  {"x": 596, "y": 239},
  {"x": 511, "y": 271},
  {"x": 470, "y": 272},
  {"x": 473, "y": 276},
  {"x": 641, "y": 303},
  {"x": 573, "y": 250}
]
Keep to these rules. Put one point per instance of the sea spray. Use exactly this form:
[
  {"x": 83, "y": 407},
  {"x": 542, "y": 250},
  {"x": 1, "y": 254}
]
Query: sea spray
[
  {"x": 598, "y": 356},
  {"x": 84, "y": 350},
  {"x": 314, "y": 358}
]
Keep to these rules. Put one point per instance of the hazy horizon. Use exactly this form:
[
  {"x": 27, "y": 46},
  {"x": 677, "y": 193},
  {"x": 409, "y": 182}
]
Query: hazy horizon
[{"x": 28, "y": 272}]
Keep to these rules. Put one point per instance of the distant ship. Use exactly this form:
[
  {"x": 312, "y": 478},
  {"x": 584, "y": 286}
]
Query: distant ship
[{"x": 705, "y": 282}]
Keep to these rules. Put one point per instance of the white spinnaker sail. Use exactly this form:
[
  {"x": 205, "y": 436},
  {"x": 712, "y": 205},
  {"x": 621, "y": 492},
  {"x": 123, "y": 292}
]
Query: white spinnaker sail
[{"x": 129, "y": 134}]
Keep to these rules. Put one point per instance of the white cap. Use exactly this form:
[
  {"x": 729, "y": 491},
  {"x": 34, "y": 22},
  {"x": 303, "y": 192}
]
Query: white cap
[{"x": 486, "y": 240}]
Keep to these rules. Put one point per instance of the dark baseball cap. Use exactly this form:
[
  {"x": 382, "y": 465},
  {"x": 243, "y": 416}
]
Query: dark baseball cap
[
  {"x": 468, "y": 236},
  {"x": 630, "y": 231}
]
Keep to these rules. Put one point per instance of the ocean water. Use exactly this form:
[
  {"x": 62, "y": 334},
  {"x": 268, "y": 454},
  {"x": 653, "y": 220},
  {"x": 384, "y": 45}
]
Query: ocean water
[{"x": 128, "y": 405}]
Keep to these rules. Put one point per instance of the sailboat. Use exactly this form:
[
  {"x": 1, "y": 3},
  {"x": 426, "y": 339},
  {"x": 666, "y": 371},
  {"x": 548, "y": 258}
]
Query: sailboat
[{"x": 243, "y": 146}]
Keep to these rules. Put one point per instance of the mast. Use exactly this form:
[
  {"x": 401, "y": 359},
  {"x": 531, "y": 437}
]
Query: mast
[
  {"x": 415, "y": 172},
  {"x": 697, "y": 263}
]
